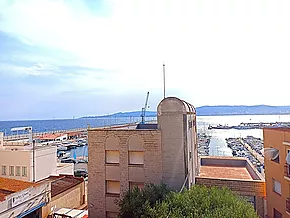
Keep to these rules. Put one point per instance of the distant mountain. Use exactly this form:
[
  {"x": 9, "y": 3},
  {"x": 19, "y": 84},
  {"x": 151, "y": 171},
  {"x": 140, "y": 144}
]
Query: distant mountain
[
  {"x": 241, "y": 110},
  {"x": 214, "y": 111}
]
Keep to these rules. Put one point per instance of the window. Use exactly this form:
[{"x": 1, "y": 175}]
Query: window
[
  {"x": 133, "y": 185},
  {"x": 277, "y": 214},
  {"x": 136, "y": 157},
  {"x": 276, "y": 186},
  {"x": 17, "y": 171},
  {"x": 112, "y": 157},
  {"x": 112, "y": 187},
  {"x": 11, "y": 170},
  {"x": 3, "y": 170},
  {"x": 24, "y": 171},
  {"x": 276, "y": 156}
]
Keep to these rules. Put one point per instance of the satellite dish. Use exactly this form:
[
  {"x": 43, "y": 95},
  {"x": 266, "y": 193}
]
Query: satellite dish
[
  {"x": 271, "y": 153},
  {"x": 288, "y": 158}
]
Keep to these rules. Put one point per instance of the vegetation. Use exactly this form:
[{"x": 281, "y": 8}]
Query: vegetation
[{"x": 199, "y": 201}]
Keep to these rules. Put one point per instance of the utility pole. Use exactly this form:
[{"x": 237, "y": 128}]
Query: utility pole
[
  {"x": 163, "y": 80},
  {"x": 33, "y": 160}
]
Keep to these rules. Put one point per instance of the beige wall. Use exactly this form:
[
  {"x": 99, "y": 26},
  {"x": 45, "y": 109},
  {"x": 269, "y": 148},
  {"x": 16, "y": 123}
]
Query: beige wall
[
  {"x": 45, "y": 162},
  {"x": 15, "y": 158},
  {"x": 148, "y": 141},
  {"x": 72, "y": 198},
  {"x": 178, "y": 139}
]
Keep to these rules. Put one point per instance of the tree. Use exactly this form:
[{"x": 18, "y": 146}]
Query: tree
[
  {"x": 137, "y": 202},
  {"x": 198, "y": 202},
  {"x": 204, "y": 202}
]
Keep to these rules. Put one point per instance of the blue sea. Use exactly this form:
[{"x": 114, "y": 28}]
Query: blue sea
[{"x": 218, "y": 145}]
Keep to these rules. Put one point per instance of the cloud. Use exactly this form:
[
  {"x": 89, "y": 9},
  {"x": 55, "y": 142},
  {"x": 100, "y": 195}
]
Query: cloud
[{"x": 216, "y": 52}]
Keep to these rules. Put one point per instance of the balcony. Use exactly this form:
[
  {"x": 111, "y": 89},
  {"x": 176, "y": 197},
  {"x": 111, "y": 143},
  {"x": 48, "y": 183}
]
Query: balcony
[
  {"x": 288, "y": 205},
  {"x": 287, "y": 171}
]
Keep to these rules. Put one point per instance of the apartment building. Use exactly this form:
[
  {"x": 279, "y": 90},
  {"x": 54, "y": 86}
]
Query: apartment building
[
  {"x": 18, "y": 161},
  {"x": 122, "y": 158},
  {"x": 277, "y": 173}
]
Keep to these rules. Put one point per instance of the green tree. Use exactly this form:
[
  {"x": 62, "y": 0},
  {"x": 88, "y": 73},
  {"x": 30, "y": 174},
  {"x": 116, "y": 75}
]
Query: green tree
[
  {"x": 199, "y": 202},
  {"x": 137, "y": 203},
  {"x": 202, "y": 202}
]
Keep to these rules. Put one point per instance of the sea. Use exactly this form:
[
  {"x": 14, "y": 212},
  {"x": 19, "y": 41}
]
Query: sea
[{"x": 218, "y": 145}]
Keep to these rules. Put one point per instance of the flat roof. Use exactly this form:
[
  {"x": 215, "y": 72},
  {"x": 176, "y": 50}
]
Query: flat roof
[
  {"x": 9, "y": 186},
  {"x": 62, "y": 183},
  {"x": 225, "y": 172}
]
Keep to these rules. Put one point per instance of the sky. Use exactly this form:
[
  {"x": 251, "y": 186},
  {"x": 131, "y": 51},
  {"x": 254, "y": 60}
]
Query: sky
[{"x": 73, "y": 58}]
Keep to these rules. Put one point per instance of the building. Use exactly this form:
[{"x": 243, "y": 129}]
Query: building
[
  {"x": 277, "y": 173},
  {"x": 238, "y": 174},
  {"x": 122, "y": 158},
  {"x": 66, "y": 192},
  {"x": 20, "y": 161},
  {"x": 22, "y": 199}
]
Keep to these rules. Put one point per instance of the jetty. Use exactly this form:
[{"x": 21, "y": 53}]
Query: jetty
[{"x": 260, "y": 125}]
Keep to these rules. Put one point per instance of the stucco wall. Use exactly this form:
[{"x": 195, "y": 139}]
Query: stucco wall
[
  {"x": 15, "y": 158},
  {"x": 72, "y": 198}
]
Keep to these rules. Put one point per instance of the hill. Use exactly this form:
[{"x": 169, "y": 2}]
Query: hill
[{"x": 214, "y": 111}]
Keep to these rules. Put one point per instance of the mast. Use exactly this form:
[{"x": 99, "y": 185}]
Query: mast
[{"x": 163, "y": 80}]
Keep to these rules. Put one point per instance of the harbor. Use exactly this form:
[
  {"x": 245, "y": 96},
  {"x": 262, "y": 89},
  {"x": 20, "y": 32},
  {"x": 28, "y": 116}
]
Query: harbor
[
  {"x": 249, "y": 147},
  {"x": 203, "y": 144},
  {"x": 244, "y": 126}
]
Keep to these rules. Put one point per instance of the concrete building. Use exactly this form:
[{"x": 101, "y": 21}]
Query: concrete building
[
  {"x": 122, "y": 158},
  {"x": 66, "y": 192},
  {"x": 238, "y": 174},
  {"x": 277, "y": 173},
  {"x": 22, "y": 199},
  {"x": 18, "y": 161}
]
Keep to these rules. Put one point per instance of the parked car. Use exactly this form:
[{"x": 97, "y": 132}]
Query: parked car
[
  {"x": 68, "y": 160},
  {"x": 81, "y": 173},
  {"x": 82, "y": 161}
]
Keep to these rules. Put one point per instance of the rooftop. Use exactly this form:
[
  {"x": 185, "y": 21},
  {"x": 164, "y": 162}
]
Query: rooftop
[
  {"x": 225, "y": 172},
  {"x": 9, "y": 186},
  {"x": 232, "y": 168},
  {"x": 62, "y": 183}
]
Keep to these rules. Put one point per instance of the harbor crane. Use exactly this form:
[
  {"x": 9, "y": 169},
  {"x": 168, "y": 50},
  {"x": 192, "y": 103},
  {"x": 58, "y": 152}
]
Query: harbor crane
[{"x": 143, "y": 113}]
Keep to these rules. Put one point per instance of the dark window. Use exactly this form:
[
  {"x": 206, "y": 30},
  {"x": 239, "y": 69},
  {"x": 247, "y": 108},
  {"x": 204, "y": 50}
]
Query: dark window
[
  {"x": 189, "y": 124},
  {"x": 277, "y": 159},
  {"x": 277, "y": 214}
]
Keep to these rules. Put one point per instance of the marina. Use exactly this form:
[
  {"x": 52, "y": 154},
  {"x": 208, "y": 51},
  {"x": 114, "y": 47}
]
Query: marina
[
  {"x": 259, "y": 125},
  {"x": 203, "y": 144},
  {"x": 249, "y": 147}
]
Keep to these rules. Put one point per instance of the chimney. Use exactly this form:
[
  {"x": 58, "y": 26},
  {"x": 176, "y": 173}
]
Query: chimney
[{"x": 1, "y": 139}]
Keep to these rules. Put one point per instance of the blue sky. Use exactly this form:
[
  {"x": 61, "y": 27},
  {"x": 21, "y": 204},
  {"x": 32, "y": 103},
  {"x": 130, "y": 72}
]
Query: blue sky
[{"x": 71, "y": 58}]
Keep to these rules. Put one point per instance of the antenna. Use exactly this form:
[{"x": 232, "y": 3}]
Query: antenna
[{"x": 163, "y": 80}]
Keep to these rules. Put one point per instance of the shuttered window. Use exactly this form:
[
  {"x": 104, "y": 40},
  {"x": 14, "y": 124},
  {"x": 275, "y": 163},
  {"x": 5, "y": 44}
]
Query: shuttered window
[
  {"x": 112, "y": 157},
  {"x": 136, "y": 157},
  {"x": 112, "y": 187}
]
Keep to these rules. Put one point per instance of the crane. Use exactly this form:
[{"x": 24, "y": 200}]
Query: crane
[{"x": 144, "y": 109}]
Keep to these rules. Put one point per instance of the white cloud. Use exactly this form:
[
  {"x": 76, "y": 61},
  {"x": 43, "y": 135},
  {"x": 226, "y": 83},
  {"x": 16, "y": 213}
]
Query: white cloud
[{"x": 216, "y": 52}]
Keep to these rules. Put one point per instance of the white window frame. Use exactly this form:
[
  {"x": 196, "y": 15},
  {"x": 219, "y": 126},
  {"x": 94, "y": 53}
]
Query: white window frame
[
  {"x": 17, "y": 171},
  {"x": 11, "y": 170},
  {"x": 4, "y": 170},
  {"x": 24, "y": 171},
  {"x": 277, "y": 187}
]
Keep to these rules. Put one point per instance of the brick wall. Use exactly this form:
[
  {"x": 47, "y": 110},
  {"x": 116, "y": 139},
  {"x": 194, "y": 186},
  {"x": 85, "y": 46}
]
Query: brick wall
[{"x": 148, "y": 141}]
